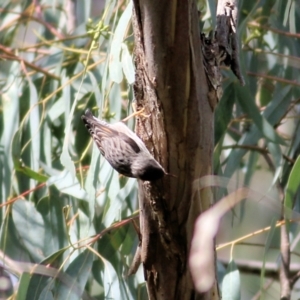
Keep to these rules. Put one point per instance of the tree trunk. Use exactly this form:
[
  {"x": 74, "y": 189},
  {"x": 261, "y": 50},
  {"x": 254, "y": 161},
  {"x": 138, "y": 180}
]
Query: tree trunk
[{"x": 172, "y": 87}]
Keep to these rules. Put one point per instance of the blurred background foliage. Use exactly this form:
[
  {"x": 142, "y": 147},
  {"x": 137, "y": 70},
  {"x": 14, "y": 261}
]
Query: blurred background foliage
[{"x": 62, "y": 205}]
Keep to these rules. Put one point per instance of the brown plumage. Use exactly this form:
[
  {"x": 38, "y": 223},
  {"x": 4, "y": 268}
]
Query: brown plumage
[{"x": 123, "y": 149}]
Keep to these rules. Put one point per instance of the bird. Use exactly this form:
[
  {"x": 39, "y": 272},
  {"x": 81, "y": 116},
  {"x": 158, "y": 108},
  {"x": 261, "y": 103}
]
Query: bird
[{"x": 123, "y": 149}]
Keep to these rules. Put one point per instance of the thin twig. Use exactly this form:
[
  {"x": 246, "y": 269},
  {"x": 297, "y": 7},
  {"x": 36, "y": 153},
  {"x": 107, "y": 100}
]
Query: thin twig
[
  {"x": 275, "y": 78},
  {"x": 11, "y": 56}
]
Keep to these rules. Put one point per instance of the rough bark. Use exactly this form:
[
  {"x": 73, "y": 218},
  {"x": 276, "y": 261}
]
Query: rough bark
[
  {"x": 172, "y": 87},
  {"x": 226, "y": 36}
]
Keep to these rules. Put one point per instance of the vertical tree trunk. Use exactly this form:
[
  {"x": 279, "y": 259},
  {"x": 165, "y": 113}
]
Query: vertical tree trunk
[{"x": 171, "y": 85}]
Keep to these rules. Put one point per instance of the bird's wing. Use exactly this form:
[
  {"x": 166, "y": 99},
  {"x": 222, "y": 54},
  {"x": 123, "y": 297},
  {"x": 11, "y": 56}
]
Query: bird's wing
[
  {"x": 130, "y": 142},
  {"x": 100, "y": 131}
]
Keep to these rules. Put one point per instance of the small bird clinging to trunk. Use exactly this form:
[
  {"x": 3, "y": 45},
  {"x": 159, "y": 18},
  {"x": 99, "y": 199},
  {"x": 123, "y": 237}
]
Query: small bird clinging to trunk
[{"x": 123, "y": 149}]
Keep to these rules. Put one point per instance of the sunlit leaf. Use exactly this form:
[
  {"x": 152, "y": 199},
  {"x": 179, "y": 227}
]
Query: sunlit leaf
[
  {"x": 23, "y": 286},
  {"x": 79, "y": 270},
  {"x": 293, "y": 185},
  {"x": 223, "y": 113},
  {"x": 65, "y": 157},
  {"x": 30, "y": 226},
  {"x": 65, "y": 183},
  {"x": 115, "y": 66},
  {"x": 58, "y": 59},
  {"x": 127, "y": 64},
  {"x": 249, "y": 107},
  {"x": 231, "y": 285}
]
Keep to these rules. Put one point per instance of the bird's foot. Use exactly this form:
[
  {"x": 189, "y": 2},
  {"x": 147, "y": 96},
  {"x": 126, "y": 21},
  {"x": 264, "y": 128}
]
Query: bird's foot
[{"x": 136, "y": 113}]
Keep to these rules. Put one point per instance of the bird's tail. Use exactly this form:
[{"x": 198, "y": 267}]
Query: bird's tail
[{"x": 97, "y": 128}]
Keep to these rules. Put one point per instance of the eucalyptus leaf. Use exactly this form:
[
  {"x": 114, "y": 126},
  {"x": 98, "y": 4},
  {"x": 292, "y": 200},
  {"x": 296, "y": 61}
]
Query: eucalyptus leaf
[
  {"x": 65, "y": 157},
  {"x": 293, "y": 185},
  {"x": 34, "y": 120},
  {"x": 231, "y": 285},
  {"x": 23, "y": 286},
  {"x": 127, "y": 64},
  {"x": 79, "y": 271},
  {"x": 249, "y": 107},
  {"x": 115, "y": 66},
  {"x": 66, "y": 184},
  {"x": 30, "y": 226}
]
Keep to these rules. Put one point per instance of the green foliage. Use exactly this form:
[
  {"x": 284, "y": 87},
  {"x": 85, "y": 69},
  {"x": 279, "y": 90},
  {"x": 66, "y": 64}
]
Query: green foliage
[
  {"x": 66, "y": 216},
  {"x": 256, "y": 126},
  {"x": 59, "y": 198},
  {"x": 231, "y": 283}
]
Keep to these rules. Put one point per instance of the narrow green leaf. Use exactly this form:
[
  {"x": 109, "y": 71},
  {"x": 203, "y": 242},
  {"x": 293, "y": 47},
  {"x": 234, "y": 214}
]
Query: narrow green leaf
[
  {"x": 115, "y": 66},
  {"x": 16, "y": 148},
  {"x": 10, "y": 113},
  {"x": 115, "y": 70},
  {"x": 113, "y": 212},
  {"x": 51, "y": 210},
  {"x": 266, "y": 249},
  {"x": 30, "y": 226},
  {"x": 231, "y": 285},
  {"x": 127, "y": 64},
  {"x": 276, "y": 154},
  {"x": 111, "y": 283},
  {"x": 46, "y": 293},
  {"x": 223, "y": 112},
  {"x": 250, "y": 167},
  {"x": 65, "y": 157},
  {"x": 23, "y": 286},
  {"x": 55, "y": 258},
  {"x": 293, "y": 185},
  {"x": 57, "y": 109},
  {"x": 91, "y": 180},
  {"x": 30, "y": 173},
  {"x": 47, "y": 144},
  {"x": 66, "y": 184},
  {"x": 95, "y": 87},
  {"x": 11, "y": 244},
  {"x": 79, "y": 270},
  {"x": 249, "y": 107},
  {"x": 34, "y": 119},
  {"x": 277, "y": 108},
  {"x": 36, "y": 286},
  {"x": 273, "y": 112}
]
